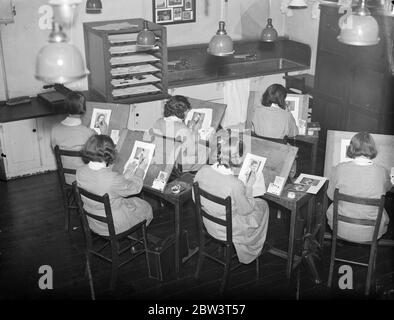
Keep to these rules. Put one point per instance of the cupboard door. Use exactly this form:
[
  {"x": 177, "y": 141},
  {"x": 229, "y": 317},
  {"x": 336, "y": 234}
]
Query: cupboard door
[
  {"x": 21, "y": 147},
  {"x": 332, "y": 75}
]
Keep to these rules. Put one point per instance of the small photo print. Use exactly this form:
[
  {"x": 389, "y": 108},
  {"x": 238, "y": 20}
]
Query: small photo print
[
  {"x": 164, "y": 15},
  {"x": 161, "y": 3},
  {"x": 175, "y": 3},
  {"x": 253, "y": 165},
  {"x": 314, "y": 183},
  {"x": 187, "y": 15},
  {"x": 188, "y": 5},
  {"x": 196, "y": 121},
  {"x": 100, "y": 120},
  {"x": 309, "y": 182},
  {"x": 141, "y": 156},
  {"x": 160, "y": 182},
  {"x": 177, "y": 14},
  {"x": 290, "y": 105}
]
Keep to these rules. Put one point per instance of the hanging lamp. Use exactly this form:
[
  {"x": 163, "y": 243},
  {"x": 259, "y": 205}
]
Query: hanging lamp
[
  {"x": 269, "y": 33},
  {"x": 59, "y": 61},
  {"x": 221, "y": 44},
  {"x": 65, "y": 12},
  {"x": 145, "y": 37},
  {"x": 359, "y": 28},
  {"x": 297, "y": 4},
  {"x": 94, "y": 6}
]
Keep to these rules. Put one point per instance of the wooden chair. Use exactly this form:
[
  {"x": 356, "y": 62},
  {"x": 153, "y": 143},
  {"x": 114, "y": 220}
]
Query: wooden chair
[
  {"x": 227, "y": 244},
  {"x": 113, "y": 240},
  {"x": 67, "y": 192},
  {"x": 379, "y": 203}
]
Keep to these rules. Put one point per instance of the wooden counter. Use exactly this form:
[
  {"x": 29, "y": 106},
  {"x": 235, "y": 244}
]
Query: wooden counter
[{"x": 192, "y": 65}]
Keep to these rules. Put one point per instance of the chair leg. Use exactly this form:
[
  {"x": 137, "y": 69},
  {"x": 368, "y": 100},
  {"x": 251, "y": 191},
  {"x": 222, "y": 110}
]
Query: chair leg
[
  {"x": 371, "y": 271},
  {"x": 91, "y": 285},
  {"x": 200, "y": 257},
  {"x": 332, "y": 262},
  {"x": 226, "y": 269},
  {"x": 115, "y": 265}
]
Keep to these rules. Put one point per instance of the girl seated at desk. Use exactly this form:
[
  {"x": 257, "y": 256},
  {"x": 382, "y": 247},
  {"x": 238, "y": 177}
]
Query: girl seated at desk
[
  {"x": 250, "y": 215},
  {"x": 194, "y": 155},
  {"x": 360, "y": 178},
  {"x": 272, "y": 119},
  {"x": 97, "y": 177},
  {"x": 70, "y": 134}
]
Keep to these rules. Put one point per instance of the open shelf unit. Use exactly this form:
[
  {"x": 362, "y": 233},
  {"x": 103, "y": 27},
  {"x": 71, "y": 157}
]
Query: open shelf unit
[{"x": 120, "y": 70}]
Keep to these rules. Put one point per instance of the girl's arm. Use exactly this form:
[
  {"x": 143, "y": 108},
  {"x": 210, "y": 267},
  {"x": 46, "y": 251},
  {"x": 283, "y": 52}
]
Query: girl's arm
[{"x": 127, "y": 187}]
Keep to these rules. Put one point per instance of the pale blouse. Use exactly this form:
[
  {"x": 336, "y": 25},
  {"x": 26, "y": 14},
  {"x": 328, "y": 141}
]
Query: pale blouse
[
  {"x": 249, "y": 215},
  {"x": 359, "y": 178},
  {"x": 126, "y": 211},
  {"x": 273, "y": 122},
  {"x": 71, "y": 135}
]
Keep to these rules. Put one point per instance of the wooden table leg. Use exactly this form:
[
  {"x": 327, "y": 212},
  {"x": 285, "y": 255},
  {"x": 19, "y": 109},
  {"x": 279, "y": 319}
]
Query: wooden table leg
[{"x": 290, "y": 250}]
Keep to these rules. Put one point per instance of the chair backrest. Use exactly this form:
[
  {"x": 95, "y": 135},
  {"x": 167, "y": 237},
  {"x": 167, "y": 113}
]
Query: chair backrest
[
  {"x": 379, "y": 203},
  {"x": 107, "y": 219},
  {"x": 278, "y": 140},
  {"x": 201, "y": 213},
  {"x": 61, "y": 169}
]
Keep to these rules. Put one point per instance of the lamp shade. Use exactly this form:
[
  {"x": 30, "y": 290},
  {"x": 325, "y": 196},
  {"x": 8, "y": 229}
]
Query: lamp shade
[
  {"x": 221, "y": 44},
  {"x": 59, "y": 63},
  {"x": 65, "y": 12},
  {"x": 297, "y": 4},
  {"x": 269, "y": 34},
  {"x": 94, "y": 6},
  {"x": 359, "y": 28},
  {"x": 145, "y": 36}
]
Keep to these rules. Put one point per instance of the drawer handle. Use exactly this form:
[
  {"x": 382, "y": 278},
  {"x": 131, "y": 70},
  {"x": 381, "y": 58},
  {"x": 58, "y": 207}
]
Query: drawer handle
[
  {"x": 3, "y": 155},
  {"x": 34, "y": 130},
  {"x": 137, "y": 114}
]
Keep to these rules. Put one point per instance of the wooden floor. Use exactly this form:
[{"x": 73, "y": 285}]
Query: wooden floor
[{"x": 32, "y": 235}]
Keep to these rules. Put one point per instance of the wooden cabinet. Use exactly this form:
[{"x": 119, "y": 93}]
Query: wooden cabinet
[
  {"x": 353, "y": 85},
  {"x": 121, "y": 71}
]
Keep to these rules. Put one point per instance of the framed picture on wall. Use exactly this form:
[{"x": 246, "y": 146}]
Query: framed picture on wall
[{"x": 174, "y": 11}]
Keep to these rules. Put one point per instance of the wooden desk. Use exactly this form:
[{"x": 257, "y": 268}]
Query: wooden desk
[
  {"x": 312, "y": 231},
  {"x": 178, "y": 201}
]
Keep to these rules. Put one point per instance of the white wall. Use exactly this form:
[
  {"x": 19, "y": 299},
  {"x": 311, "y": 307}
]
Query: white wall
[
  {"x": 303, "y": 28},
  {"x": 23, "y": 39}
]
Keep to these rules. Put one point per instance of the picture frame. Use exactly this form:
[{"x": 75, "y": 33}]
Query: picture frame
[
  {"x": 173, "y": 11},
  {"x": 100, "y": 120}
]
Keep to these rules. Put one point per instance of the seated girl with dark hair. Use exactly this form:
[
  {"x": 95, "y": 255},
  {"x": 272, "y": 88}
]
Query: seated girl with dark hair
[
  {"x": 70, "y": 134},
  {"x": 97, "y": 177},
  {"x": 172, "y": 125},
  {"x": 272, "y": 119},
  {"x": 249, "y": 215},
  {"x": 360, "y": 178}
]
